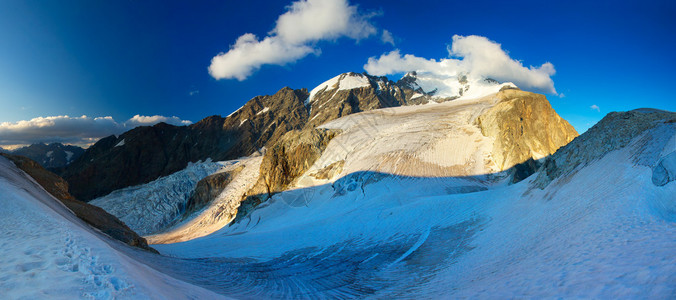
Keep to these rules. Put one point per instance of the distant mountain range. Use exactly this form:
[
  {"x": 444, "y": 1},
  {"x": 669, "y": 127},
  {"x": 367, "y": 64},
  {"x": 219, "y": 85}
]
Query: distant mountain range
[{"x": 50, "y": 156}]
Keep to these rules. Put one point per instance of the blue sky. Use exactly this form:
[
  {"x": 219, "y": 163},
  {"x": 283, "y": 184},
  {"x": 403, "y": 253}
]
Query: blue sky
[{"x": 121, "y": 59}]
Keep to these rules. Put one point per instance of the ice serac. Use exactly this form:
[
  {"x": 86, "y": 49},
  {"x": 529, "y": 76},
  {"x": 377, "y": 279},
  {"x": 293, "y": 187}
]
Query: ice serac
[
  {"x": 151, "y": 207},
  {"x": 151, "y": 152},
  {"x": 215, "y": 201},
  {"x": 524, "y": 126}
]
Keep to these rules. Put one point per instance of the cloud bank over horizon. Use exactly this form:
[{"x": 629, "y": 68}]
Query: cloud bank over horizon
[
  {"x": 471, "y": 55},
  {"x": 296, "y": 32},
  {"x": 81, "y": 131}
]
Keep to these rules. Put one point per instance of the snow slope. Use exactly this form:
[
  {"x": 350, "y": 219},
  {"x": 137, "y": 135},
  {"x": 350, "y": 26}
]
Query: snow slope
[{"x": 48, "y": 253}]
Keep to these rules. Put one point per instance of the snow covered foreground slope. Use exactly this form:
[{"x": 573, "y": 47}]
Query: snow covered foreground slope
[
  {"x": 599, "y": 228},
  {"x": 48, "y": 253}
]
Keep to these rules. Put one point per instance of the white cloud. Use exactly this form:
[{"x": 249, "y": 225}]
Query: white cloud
[
  {"x": 248, "y": 54},
  {"x": 387, "y": 37},
  {"x": 81, "y": 131},
  {"x": 138, "y": 120},
  {"x": 313, "y": 20},
  {"x": 294, "y": 37},
  {"x": 595, "y": 107},
  {"x": 472, "y": 55}
]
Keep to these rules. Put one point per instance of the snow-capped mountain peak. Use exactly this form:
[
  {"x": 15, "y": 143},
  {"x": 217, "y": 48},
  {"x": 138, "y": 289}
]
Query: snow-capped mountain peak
[{"x": 345, "y": 81}]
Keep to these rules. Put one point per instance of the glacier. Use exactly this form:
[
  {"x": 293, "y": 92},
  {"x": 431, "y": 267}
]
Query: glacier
[{"x": 151, "y": 207}]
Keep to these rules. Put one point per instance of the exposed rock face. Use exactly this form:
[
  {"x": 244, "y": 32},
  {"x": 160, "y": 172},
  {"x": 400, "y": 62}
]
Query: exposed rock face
[
  {"x": 209, "y": 188},
  {"x": 525, "y": 169},
  {"x": 330, "y": 171},
  {"x": 52, "y": 183},
  {"x": 146, "y": 153},
  {"x": 55, "y": 155},
  {"x": 283, "y": 163},
  {"x": 524, "y": 125},
  {"x": 94, "y": 216},
  {"x": 615, "y": 131}
]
